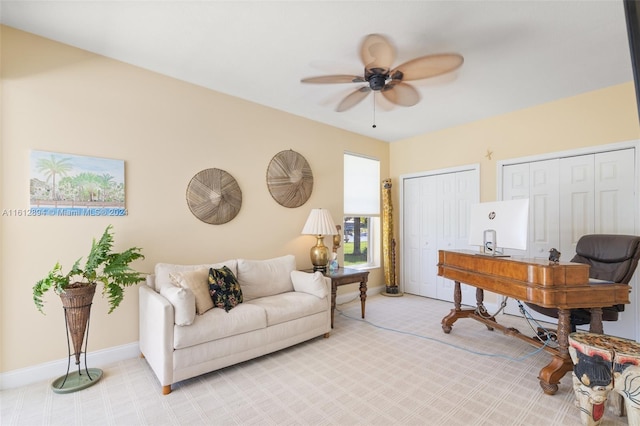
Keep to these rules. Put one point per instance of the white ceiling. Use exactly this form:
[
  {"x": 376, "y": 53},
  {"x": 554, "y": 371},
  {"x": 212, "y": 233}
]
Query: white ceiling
[{"x": 517, "y": 53}]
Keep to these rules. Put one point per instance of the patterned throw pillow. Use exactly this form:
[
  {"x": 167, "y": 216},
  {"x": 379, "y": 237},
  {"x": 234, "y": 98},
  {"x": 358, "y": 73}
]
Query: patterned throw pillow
[{"x": 224, "y": 288}]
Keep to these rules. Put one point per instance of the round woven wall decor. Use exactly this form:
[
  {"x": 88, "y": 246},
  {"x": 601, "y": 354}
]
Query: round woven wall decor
[
  {"x": 289, "y": 179},
  {"x": 214, "y": 196}
]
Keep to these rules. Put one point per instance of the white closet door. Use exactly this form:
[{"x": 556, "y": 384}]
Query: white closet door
[
  {"x": 435, "y": 216},
  {"x": 537, "y": 181},
  {"x": 447, "y": 224},
  {"x": 411, "y": 236},
  {"x": 544, "y": 208},
  {"x": 467, "y": 193},
  {"x": 456, "y": 192},
  {"x": 573, "y": 196},
  {"x": 614, "y": 214},
  {"x": 614, "y": 189},
  {"x": 577, "y": 195},
  {"x": 429, "y": 237},
  {"x": 517, "y": 185},
  {"x": 420, "y": 236}
]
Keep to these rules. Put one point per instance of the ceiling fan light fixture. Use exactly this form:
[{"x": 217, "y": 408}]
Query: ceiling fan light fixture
[
  {"x": 378, "y": 54},
  {"x": 377, "y": 81}
]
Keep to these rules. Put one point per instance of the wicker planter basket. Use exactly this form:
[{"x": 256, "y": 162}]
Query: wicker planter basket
[{"x": 77, "y": 300}]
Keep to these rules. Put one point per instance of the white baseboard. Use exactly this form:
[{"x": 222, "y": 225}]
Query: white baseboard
[{"x": 54, "y": 369}]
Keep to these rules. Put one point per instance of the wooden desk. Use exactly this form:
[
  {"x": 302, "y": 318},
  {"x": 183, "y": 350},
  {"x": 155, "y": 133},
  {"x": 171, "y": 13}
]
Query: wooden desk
[
  {"x": 346, "y": 276},
  {"x": 564, "y": 286}
]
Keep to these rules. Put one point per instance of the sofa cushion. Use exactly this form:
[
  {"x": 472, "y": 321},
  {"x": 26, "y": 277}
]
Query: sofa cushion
[
  {"x": 260, "y": 278},
  {"x": 198, "y": 282},
  {"x": 289, "y": 306},
  {"x": 184, "y": 304},
  {"x": 309, "y": 283},
  {"x": 162, "y": 271},
  {"x": 217, "y": 324},
  {"x": 223, "y": 287}
]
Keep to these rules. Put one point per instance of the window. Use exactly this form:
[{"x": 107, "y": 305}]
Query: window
[{"x": 361, "y": 226}]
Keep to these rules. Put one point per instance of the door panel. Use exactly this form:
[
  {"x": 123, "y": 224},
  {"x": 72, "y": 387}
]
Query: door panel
[
  {"x": 538, "y": 181},
  {"x": 429, "y": 238},
  {"x": 576, "y": 200},
  {"x": 544, "y": 208},
  {"x": 411, "y": 237},
  {"x": 614, "y": 186},
  {"x": 614, "y": 214},
  {"x": 447, "y": 224},
  {"x": 456, "y": 193},
  {"x": 467, "y": 193}
]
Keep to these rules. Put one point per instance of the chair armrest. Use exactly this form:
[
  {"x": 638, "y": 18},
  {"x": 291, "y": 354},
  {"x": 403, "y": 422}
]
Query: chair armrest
[{"x": 156, "y": 324}]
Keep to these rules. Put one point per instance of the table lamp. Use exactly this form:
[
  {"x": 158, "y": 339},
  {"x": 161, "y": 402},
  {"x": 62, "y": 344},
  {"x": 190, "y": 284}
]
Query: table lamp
[{"x": 319, "y": 223}]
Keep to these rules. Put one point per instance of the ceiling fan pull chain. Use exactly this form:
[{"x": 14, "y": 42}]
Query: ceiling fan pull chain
[{"x": 374, "y": 110}]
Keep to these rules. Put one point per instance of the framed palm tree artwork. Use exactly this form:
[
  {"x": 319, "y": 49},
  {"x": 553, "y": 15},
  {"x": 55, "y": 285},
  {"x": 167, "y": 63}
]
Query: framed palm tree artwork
[{"x": 75, "y": 185}]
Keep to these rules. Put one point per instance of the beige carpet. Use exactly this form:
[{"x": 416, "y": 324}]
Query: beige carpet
[{"x": 398, "y": 368}]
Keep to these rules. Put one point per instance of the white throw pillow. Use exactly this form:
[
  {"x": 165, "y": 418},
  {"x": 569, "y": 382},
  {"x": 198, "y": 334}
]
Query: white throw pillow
[
  {"x": 312, "y": 283},
  {"x": 198, "y": 282},
  {"x": 259, "y": 278},
  {"x": 162, "y": 271},
  {"x": 184, "y": 304}
]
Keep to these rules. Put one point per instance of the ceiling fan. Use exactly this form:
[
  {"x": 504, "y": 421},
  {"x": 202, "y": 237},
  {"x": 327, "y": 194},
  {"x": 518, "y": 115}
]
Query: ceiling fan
[{"x": 377, "y": 55}]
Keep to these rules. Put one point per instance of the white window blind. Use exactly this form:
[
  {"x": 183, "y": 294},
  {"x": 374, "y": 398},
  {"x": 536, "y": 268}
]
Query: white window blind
[{"x": 361, "y": 186}]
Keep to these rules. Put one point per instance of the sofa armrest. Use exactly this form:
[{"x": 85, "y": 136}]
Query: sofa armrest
[
  {"x": 156, "y": 324},
  {"x": 327, "y": 283}
]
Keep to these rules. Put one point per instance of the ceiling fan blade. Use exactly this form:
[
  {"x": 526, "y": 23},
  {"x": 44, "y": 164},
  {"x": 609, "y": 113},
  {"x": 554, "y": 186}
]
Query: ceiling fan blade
[
  {"x": 401, "y": 93},
  {"x": 333, "y": 79},
  {"x": 377, "y": 52},
  {"x": 353, "y": 99},
  {"x": 427, "y": 66}
]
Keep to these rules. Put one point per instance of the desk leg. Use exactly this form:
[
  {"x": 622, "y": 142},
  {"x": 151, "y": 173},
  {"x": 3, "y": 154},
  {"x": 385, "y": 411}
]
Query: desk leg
[
  {"x": 596, "y": 321},
  {"x": 481, "y": 310},
  {"x": 457, "y": 296},
  {"x": 334, "y": 291},
  {"x": 363, "y": 294},
  {"x": 561, "y": 363},
  {"x": 457, "y": 311}
]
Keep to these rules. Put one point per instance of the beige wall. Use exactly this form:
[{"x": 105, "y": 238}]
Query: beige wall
[
  {"x": 62, "y": 99},
  {"x": 58, "y": 98}
]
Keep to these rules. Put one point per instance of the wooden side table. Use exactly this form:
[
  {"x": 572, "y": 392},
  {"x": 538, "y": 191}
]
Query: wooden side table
[{"x": 346, "y": 276}]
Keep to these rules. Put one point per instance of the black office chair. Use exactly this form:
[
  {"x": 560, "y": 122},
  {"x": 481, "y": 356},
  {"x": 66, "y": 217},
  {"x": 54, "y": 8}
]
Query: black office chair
[{"x": 612, "y": 258}]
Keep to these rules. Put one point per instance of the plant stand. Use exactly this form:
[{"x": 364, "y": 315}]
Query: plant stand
[{"x": 76, "y": 302}]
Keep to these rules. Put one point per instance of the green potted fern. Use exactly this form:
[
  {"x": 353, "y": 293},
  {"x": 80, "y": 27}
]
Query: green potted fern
[
  {"x": 102, "y": 266},
  {"x": 77, "y": 287}
]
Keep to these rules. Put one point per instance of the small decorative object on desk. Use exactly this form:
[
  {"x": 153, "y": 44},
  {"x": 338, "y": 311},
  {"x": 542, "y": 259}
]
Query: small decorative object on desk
[
  {"x": 554, "y": 255},
  {"x": 333, "y": 265},
  {"x": 336, "y": 239}
]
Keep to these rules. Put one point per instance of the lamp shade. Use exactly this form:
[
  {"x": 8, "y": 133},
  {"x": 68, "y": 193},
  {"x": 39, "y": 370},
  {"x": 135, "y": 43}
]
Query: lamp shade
[{"x": 319, "y": 222}]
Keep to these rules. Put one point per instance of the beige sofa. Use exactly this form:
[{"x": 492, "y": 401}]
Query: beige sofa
[{"x": 281, "y": 307}]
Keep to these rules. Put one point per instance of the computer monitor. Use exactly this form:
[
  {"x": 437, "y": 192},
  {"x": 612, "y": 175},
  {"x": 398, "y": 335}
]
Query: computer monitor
[{"x": 498, "y": 225}]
